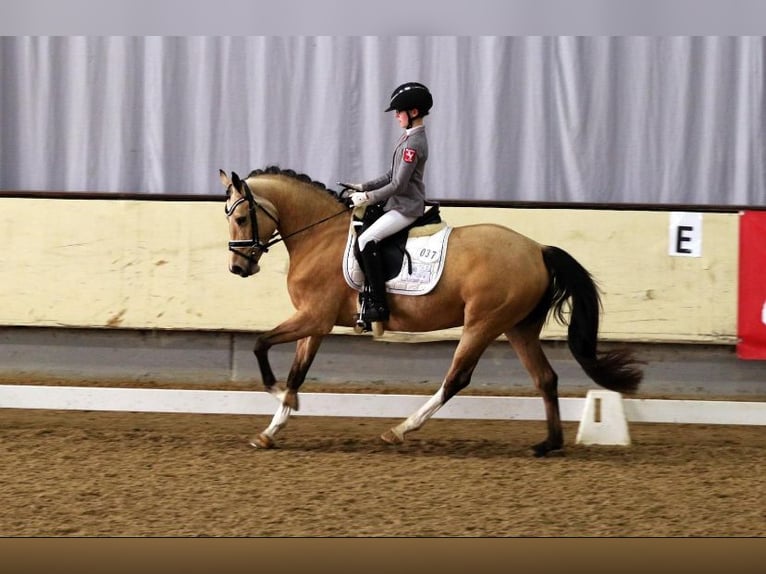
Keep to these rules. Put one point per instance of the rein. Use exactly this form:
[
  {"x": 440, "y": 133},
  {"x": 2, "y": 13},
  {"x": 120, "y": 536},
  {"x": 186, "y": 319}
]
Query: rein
[{"x": 255, "y": 242}]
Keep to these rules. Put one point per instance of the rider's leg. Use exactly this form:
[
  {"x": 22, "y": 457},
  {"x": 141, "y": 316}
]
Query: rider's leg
[
  {"x": 377, "y": 307},
  {"x": 388, "y": 224}
]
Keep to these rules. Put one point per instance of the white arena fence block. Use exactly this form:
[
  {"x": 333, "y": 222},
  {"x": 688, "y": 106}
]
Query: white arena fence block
[
  {"x": 366, "y": 405},
  {"x": 603, "y": 420}
]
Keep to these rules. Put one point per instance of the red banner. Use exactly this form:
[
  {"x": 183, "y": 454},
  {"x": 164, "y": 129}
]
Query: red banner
[{"x": 751, "y": 313}]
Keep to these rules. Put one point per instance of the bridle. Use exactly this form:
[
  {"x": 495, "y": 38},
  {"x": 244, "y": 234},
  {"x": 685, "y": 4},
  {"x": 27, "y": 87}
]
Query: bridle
[
  {"x": 250, "y": 245},
  {"x": 255, "y": 243}
]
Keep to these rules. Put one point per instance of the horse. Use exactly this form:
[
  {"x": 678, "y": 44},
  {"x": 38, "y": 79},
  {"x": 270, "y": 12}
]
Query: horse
[{"x": 495, "y": 282}]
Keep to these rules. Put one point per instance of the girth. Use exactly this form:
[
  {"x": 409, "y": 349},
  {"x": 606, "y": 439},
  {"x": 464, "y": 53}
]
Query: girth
[{"x": 393, "y": 249}]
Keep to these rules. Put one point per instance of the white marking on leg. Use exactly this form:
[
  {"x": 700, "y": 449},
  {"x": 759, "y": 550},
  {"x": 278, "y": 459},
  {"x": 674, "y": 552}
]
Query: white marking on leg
[
  {"x": 278, "y": 393},
  {"x": 278, "y": 422},
  {"x": 419, "y": 417}
]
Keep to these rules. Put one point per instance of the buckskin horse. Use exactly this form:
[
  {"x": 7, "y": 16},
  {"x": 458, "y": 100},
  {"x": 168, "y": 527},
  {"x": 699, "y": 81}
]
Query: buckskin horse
[{"x": 495, "y": 282}]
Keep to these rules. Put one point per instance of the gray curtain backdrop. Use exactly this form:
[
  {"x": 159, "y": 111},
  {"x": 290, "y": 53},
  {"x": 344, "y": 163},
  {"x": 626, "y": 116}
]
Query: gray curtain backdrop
[{"x": 659, "y": 120}]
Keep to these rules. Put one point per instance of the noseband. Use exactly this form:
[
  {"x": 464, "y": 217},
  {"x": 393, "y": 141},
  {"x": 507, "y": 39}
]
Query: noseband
[{"x": 250, "y": 245}]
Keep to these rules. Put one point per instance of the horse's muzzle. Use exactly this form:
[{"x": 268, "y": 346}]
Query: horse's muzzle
[{"x": 246, "y": 271}]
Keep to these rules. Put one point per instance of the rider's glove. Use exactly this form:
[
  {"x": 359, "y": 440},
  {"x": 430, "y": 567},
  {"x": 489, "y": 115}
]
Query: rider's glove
[{"x": 359, "y": 198}]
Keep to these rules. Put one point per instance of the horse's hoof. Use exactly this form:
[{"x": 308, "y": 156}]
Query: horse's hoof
[
  {"x": 542, "y": 449},
  {"x": 377, "y": 329},
  {"x": 262, "y": 441},
  {"x": 539, "y": 450},
  {"x": 392, "y": 437}
]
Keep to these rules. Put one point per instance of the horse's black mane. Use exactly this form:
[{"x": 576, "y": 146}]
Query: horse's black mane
[{"x": 276, "y": 170}]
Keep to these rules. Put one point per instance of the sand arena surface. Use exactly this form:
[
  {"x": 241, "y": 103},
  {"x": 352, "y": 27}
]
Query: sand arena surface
[{"x": 71, "y": 473}]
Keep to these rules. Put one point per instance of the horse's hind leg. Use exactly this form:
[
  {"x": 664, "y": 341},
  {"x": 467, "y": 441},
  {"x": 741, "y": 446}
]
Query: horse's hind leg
[
  {"x": 525, "y": 340},
  {"x": 467, "y": 354}
]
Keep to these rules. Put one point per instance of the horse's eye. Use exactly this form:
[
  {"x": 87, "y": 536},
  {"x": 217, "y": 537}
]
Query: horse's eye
[{"x": 241, "y": 220}]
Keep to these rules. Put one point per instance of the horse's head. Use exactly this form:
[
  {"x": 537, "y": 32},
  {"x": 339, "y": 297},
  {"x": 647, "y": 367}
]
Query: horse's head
[{"x": 251, "y": 224}]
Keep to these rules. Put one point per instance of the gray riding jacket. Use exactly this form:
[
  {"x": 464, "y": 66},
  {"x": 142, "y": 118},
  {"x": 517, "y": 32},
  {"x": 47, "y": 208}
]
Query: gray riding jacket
[{"x": 403, "y": 186}]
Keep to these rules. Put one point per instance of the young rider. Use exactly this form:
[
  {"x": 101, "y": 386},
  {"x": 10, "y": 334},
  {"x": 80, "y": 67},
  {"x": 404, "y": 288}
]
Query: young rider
[{"x": 401, "y": 188}]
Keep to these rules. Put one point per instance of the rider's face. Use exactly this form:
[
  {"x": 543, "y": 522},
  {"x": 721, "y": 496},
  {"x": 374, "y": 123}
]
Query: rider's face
[{"x": 401, "y": 116}]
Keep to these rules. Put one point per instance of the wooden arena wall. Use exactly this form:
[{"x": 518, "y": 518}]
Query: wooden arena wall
[{"x": 140, "y": 264}]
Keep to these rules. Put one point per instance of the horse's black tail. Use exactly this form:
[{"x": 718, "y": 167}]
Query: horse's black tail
[{"x": 616, "y": 370}]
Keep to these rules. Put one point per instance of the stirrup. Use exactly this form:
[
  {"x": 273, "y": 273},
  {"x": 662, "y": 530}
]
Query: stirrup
[
  {"x": 369, "y": 313},
  {"x": 361, "y": 326},
  {"x": 366, "y": 325}
]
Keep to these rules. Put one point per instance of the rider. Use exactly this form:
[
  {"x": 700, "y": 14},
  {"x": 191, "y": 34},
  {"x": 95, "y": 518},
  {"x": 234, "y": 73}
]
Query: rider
[{"x": 401, "y": 187}]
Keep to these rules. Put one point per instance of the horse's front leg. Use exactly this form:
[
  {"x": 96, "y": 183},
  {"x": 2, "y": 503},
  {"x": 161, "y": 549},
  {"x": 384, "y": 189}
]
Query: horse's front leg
[
  {"x": 308, "y": 344},
  {"x": 304, "y": 355},
  {"x": 261, "y": 351},
  {"x": 305, "y": 352},
  {"x": 309, "y": 332}
]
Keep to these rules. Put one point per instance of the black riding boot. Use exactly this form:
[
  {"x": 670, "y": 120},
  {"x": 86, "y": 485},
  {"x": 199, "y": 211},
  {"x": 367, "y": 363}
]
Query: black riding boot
[{"x": 377, "y": 307}]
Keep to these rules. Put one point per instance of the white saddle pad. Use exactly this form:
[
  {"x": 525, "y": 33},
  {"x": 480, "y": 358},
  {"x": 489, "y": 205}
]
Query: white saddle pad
[{"x": 427, "y": 252}]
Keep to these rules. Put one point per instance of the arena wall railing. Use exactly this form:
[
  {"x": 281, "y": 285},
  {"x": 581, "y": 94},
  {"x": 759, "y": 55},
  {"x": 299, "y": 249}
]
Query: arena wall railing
[{"x": 112, "y": 261}]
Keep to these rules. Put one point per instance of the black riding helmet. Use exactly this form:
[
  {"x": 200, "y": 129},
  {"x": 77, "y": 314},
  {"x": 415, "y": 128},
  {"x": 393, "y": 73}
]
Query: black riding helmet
[{"x": 409, "y": 96}]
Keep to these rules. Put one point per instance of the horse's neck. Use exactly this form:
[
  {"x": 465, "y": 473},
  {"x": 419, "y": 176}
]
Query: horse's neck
[{"x": 300, "y": 210}]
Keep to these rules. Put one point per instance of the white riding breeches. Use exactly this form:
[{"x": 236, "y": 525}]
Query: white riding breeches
[{"x": 387, "y": 224}]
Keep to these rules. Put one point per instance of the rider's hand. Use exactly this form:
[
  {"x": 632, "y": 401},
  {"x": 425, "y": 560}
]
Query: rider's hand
[
  {"x": 359, "y": 198},
  {"x": 354, "y": 186}
]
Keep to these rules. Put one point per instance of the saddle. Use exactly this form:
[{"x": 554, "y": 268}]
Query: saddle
[{"x": 393, "y": 249}]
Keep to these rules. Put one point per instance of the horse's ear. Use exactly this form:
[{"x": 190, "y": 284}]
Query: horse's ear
[
  {"x": 225, "y": 181},
  {"x": 235, "y": 181}
]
